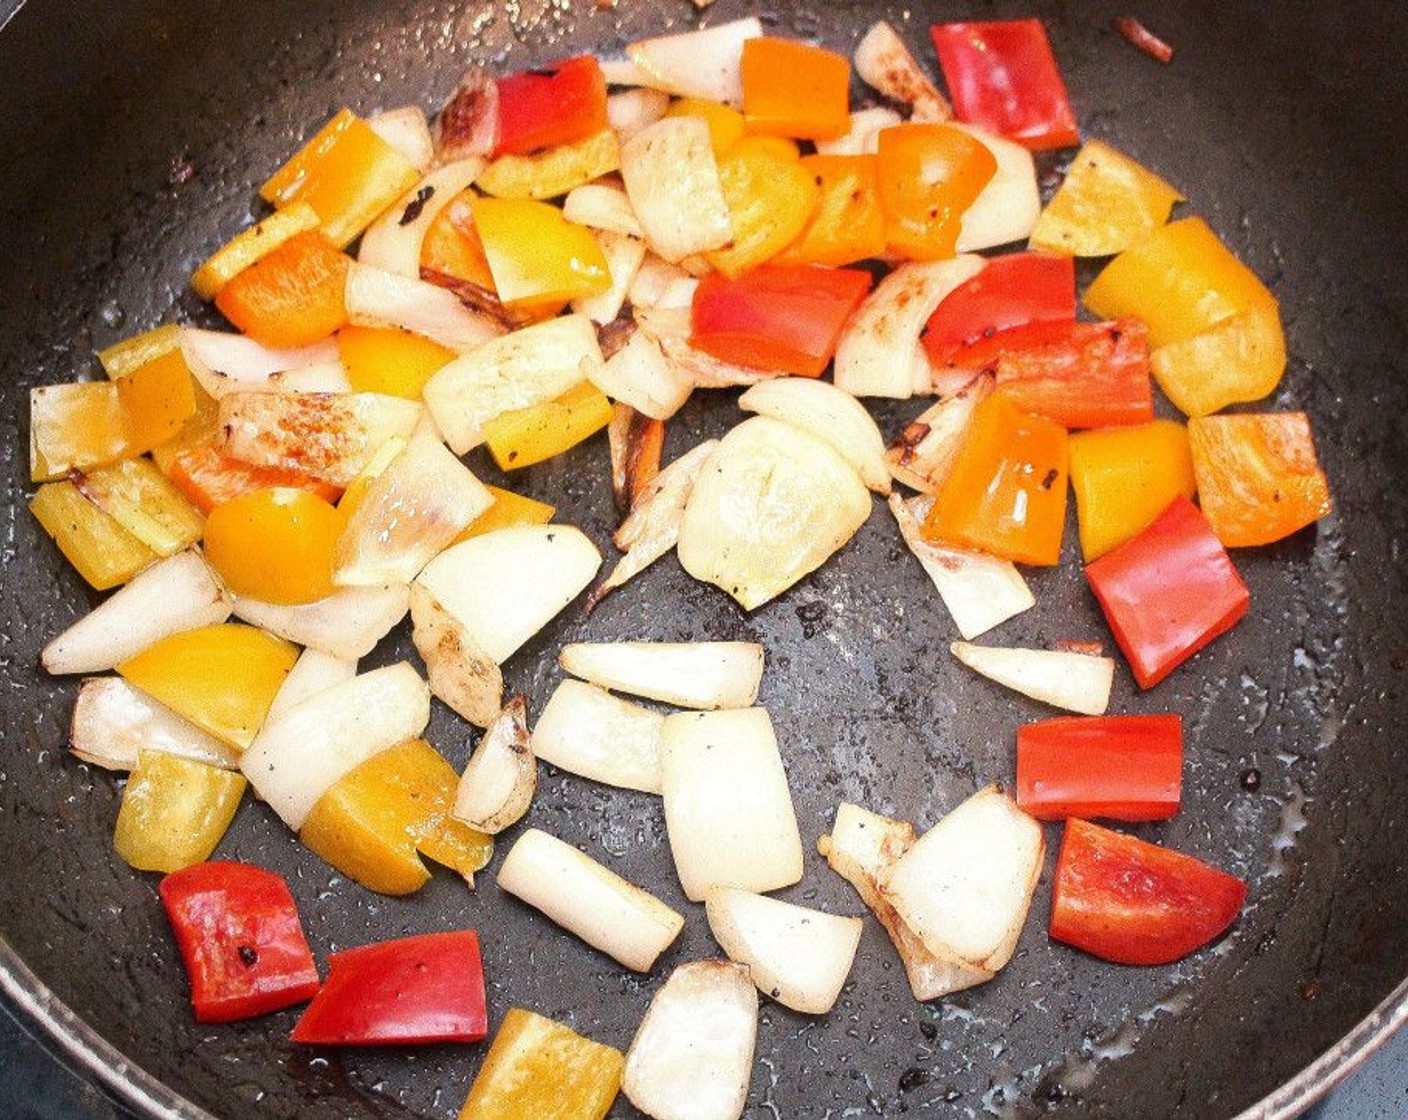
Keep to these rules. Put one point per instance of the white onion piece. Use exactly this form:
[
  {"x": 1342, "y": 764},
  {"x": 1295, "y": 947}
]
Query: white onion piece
[
  {"x": 884, "y": 63},
  {"x": 922, "y": 454},
  {"x": 669, "y": 324},
  {"x": 603, "y": 207},
  {"x": 175, "y": 594},
  {"x": 863, "y": 137},
  {"x": 347, "y": 624},
  {"x": 507, "y": 585},
  {"x": 822, "y": 410},
  {"x": 313, "y": 672},
  {"x": 588, "y": 732},
  {"x": 393, "y": 242},
  {"x": 706, "y": 63},
  {"x": 623, "y": 259},
  {"x": 222, "y": 362},
  {"x": 113, "y": 721},
  {"x": 575, "y": 891},
  {"x": 980, "y": 591},
  {"x": 727, "y": 807},
  {"x": 861, "y": 848},
  {"x": 331, "y": 436},
  {"x": 468, "y": 123},
  {"x": 638, "y": 374},
  {"x": 411, "y": 511},
  {"x": 879, "y": 348},
  {"x": 692, "y": 1057},
  {"x": 298, "y": 757},
  {"x": 1007, "y": 208},
  {"x": 406, "y": 130},
  {"x": 672, "y": 181},
  {"x": 498, "y": 783},
  {"x": 796, "y": 955},
  {"x": 770, "y": 506},
  {"x": 460, "y": 673},
  {"x": 528, "y": 367},
  {"x": 661, "y": 284},
  {"x": 965, "y": 886},
  {"x": 377, "y": 298},
  {"x": 320, "y": 377},
  {"x": 1077, "y": 682},
  {"x": 631, "y": 110},
  {"x": 702, "y": 675},
  {"x": 623, "y": 72}
]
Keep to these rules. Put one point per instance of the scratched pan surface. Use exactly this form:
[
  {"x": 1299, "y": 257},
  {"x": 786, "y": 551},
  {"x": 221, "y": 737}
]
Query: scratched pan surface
[{"x": 131, "y": 140}]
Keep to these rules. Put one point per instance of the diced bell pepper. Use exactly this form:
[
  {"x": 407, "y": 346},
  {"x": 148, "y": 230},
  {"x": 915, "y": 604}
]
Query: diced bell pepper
[{"x": 174, "y": 811}]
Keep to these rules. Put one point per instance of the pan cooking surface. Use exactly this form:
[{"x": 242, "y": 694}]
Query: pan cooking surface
[{"x": 134, "y": 139}]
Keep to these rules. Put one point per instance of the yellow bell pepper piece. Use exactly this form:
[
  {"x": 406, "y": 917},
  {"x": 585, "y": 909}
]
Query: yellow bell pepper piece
[
  {"x": 222, "y": 678},
  {"x": 121, "y": 358},
  {"x": 174, "y": 811},
  {"x": 1180, "y": 280},
  {"x": 509, "y": 509},
  {"x": 99, "y": 548},
  {"x": 1106, "y": 203},
  {"x": 770, "y": 197},
  {"x": 374, "y": 823},
  {"x": 389, "y": 360},
  {"x": 1240, "y": 359},
  {"x": 145, "y": 503},
  {"x": 275, "y": 544},
  {"x": 251, "y": 245},
  {"x": 537, "y": 1069},
  {"x": 526, "y": 436},
  {"x": 346, "y": 173},
  {"x": 554, "y": 172},
  {"x": 847, "y": 224},
  {"x": 1124, "y": 478},
  {"x": 725, "y": 123},
  {"x": 535, "y": 254},
  {"x": 157, "y": 399},
  {"x": 75, "y": 427}
]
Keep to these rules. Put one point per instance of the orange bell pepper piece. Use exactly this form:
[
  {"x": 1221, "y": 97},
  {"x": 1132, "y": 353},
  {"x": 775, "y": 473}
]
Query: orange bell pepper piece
[
  {"x": 389, "y": 360},
  {"x": 208, "y": 477},
  {"x": 274, "y": 544},
  {"x": 157, "y": 398},
  {"x": 847, "y": 224},
  {"x": 794, "y": 89},
  {"x": 929, "y": 175},
  {"x": 293, "y": 296},
  {"x": 770, "y": 196},
  {"x": 509, "y": 509}
]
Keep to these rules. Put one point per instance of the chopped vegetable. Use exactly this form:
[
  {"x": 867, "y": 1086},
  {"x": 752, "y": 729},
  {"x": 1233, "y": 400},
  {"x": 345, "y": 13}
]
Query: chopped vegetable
[
  {"x": 1141, "y": 38},
  {"x": 706, "y": 63},
  {"x": 145, "y": 503},
  {"x": 75, "y": 427},
  {"x": 1239, "y": 359},
  {"x": 508, "y": 509},
  {"x": 274, "y": 544},
  {"x": 1127, "y": 768},
  {"x": 395, "y": 241},
  {"x": 293, "y": 295},
  {"x": 587, "y": 731},
  {"x": 174, "y": 811},
  {"x": 535, "y": 254},
  {"x": 1123, "y": 478},
  {"x": 460, "y": 673},
  {"x": 421, "y": 989},
  {"x": 100, "y": 549},
  {"x": 313, "y": 672},
  {"x": 923, "y": 454},
  {"x": 389, "y": 360},
  {"x": 348, "y": 623},
  {"x": 498, "y": 783},
  {"x": 1106, "y": 203},
  {"x": 845, "y": 223},
  {"x": 1168, "y": 592},
  {"x": 929, "y": 175},
  {"x": 770, "y": 197},
  {"x": 239, "y": 935},
  {"x": 114, "y": 722},
  {"x": 702, "y": 675},
  {"x": 1006, "y": 210},
  {"x": 794, "y": 89},
  {"x": 550, "y": 105},
  {"x": 1078, "y": 682},
  {"x": 672, "y": 181},
  {"x": 1010, "y": 291},
  {"x": 157, "y": 399},
  {"x": 1132, "y": 902},
  {"x": 820, "y": 409},
  {"x": 523, "y": 437},
  {"x": 886, "y": 64},
  {"x": 725, "y": 123}
]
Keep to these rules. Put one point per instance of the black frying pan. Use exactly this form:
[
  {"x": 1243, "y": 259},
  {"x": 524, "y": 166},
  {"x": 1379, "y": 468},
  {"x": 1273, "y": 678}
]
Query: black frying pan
[{"x": 132, "y": 137}]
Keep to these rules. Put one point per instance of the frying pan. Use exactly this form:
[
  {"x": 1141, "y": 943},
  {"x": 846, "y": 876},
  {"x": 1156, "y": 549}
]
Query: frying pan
[{"x": 133, "y": 137}]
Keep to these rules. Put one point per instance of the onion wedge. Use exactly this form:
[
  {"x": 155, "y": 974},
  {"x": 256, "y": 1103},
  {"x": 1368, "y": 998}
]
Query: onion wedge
[
  {"x": 602, "y": 206},
  {"x": 528, "y": 367},
  {"x": 701, "y": 675},
  {"x": 861, "y": 848},
  {"x": 863, "y": 137},
  {"x": 879, "y": 349},
  {"x": 661, "y": 284},
  {"x": 728, "y": 810},
  {"x": 798, "y": 956},
  {"x": 460, "y": 673},
  {"x": 692, "y": 1057},
  {"x": 393, "y": 242},
  {"x": 498, "y": 783},
  {"x": 468, "y": 125},
  {"x": 771, "y": 504},
  {"x": 822, "y": 410},
  {"x": 505, "y": 586},
  {"x": 623, "y": 260},
  {"x": 922, "y": 454},
  {"x": 980, "y": 591},
  {"x": 313, "y": 672},
  {"x": 113, "y": 721},
  {"x": 639, "y": 374},
  {"x": 631, "y": 110},
  {"x": 604, "y": 910},
  {"x": 347, "y": 624},
  {"x": 377, "y": 298},
  {"x": 175, "y": 594},
  {"x": 588, "y": 732},
  {"x": 706, "y": 63},
  {"x": 1077, "y": 682},
  {"x": 965, "y": 886},
  {"x": 223, "y": 362},
  {"x": 672, "y": 181},
  {"x": 885, "y": 64},
  {"x": 406, "y": 130},
  {"x": 669, "y": 325},
  {"x": 298, "y": 757},
  {"x": 1008, "y": 207}
]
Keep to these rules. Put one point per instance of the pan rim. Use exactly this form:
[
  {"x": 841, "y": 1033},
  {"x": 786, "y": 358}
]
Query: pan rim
[{"x": 88, "y": 1053}]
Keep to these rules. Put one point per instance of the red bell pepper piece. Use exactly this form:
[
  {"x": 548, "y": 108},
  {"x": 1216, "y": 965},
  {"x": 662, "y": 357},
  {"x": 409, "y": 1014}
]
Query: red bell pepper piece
[
  {"x": 415, "y": 989},
  {"x": 1003, "y": 77},
  {"x": 1132, "y": 902},
  {"x": 1168, "y": 592},
  {"x": 551, "y": 105},
  {"x": 781, "y": 318},
  {"x": 1081, "y": 375},
  {"x": 1128, "y": 768},
  {"x": 239, "y": 934},
  {"x": 1011, "y": 291}
]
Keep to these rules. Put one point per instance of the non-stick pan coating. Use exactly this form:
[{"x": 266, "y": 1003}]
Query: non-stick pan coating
[{"x": 132, "y": 137}]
